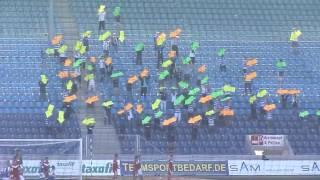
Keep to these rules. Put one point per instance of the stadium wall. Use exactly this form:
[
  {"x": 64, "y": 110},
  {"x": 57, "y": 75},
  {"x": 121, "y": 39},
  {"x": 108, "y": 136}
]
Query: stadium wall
[{"x": 96, "y": 168}]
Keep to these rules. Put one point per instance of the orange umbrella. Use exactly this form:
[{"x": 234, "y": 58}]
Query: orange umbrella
[
  {"x": 92, "y": 99},
  {"x": 144, "y": 73},
  {"x": 169, "y": 121},
  {"x": 288, "y": 91},
  {"x": 251, "y": 76},
  {"x": 269, "y": 107},
  {"x": 67, "y": 62},
  {"x": 195, "y": 119},
  {"x": 108, "y": 61},
  {"x": 132, "y": 79},
  {"x": 227, "y": 112},
  {"x": 139, "y": 108},
  {"x": 69, "y": 98},
  {"x": 63, "y": 74},
  {"x": 172, "y": 54},
  {"x": 121, "y": 111},
  {"x": 175, "y": 33},
  {"x": 251, "y": 61},
  {"x": 56, "y": 39},
  {"x": 205, "y": 99},
  {"x": 128, "y": 106},
  {"x": 202, "y": 69}
]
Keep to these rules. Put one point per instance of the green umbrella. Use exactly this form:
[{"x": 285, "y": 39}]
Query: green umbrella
[
  {"x": 87, "y": 34},
  {"x": 89, "y": 121},
  {"x": 304, "y": 114},
  {"x": 183, "y": 85},
  {"x": 104, "y": 36},
  {"x": 166, "y": 63},
  {"x": 77, "y": 63},
  {"x": 195, "y": 45},
  {"x": 69, "y": 85},
  {"x": 146, "y": 120},
  {"x": 121, "y": 36},
  {"x": 139, "y": 47},
  {"x": 225, "y": 99},
  {"x": 63, "y": 49},
  {"x": 186, "y": 60},
  {"x": 194, "y": 92},
  {"x": 318, "y": 113},
  {"x": 281, "y": 64},
  {"x": 217, "y": 93},
  {"x": 116, "y": 74},
  {"x": 155, "y": 104},
  {"x": 221, "y": 52},
  {"x": 163, "y": 74},
  {"x": 49, "y": 110},
  {"x": 189, "y": 100},
  {"x": 82, "y": 49},
  {"x": 179, "y": 100},
  {"x": 88, "y": 77},
  {"x": 116, "y": 11},
  {"x": 78, "y": 46},
  {"x": 209, "y": 113},
  {"x": 107, "y": 103},
  {"x": 262, "y": 93},
  {"x": 158, "y": 114},
  {"x": 43, "y": 78},
  {"x": 89, "y": 67},
  {"x": 252, "y": 99},
  {"x": 229, "y": 88},
  {"x": 49, "y": 51},
  {"x": 204, "y": 80}
]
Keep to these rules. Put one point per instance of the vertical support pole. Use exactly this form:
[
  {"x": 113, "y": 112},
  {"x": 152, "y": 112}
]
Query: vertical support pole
[
  {"x": 51, "y": 29},
  {"x": 80, "y": 161}
]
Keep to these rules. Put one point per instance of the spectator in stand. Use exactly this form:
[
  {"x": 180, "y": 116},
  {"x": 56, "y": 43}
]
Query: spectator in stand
[
  {"x": 144, "y": 86},
  {"x": 160, "y": 55},
  {"x": 122, "y": 124},
  {"x": 155, "y": 37},
  {"x": 109, "y": 68},
  {"x": 101, "y": 16},
  {"x": 43, "y": 82},
  {"x": 247, "y": 85},
  {"x": 115, "y": 167},
  {"x": 130, "y": 120},
  {"x": 106, "y": 47},
  {"x": 192, "y": 56},
  {"x": 174, "y": 45},
  {"x": 85, "y": 42},
  {"x": 91, "y": 86},
  {"x": 115, "y": 41},
  {"x": 163, "y": 98},
  {"x": 173, "y": 98},
  {"x": 108, "y": 115},
  {"x": 102, "y": 69},
  {"x": 177, "y": 113},
  {"x": 139, "y": 57},
  {"x": 295, "y": 101},
  {"x": 284, "y": 100}
]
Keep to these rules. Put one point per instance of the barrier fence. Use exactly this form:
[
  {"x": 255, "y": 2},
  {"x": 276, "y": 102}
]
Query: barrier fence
[{"x": 183, "y": 168}]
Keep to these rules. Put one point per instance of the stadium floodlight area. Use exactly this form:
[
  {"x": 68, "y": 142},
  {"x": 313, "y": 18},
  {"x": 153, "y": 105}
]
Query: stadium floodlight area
[{"x": 64, "y": 154}]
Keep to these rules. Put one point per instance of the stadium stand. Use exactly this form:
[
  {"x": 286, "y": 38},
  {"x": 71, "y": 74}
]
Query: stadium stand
[{"x": 205, "y": 22}]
